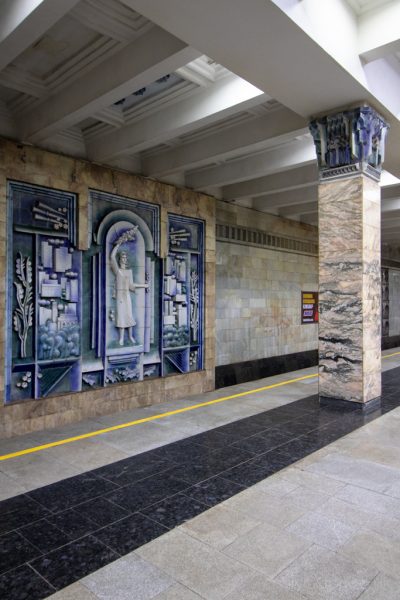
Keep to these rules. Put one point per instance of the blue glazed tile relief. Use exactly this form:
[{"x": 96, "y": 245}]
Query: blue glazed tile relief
[
  {"x": 44, "y": 294},
  {"x": 114, "y": 313},
  {"x": 183, "y": 296}
]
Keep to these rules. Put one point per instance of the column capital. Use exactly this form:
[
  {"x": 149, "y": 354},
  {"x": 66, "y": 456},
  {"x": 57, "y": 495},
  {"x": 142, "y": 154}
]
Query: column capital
[{"x": 350, "y": 142}]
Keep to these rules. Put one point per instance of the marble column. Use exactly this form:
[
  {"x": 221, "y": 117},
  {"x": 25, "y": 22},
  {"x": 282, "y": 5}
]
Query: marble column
[{"x": 349, "y": 148}]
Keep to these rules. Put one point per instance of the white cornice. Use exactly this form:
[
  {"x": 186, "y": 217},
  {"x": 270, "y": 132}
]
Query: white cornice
[
  {"x": 162, "y": 100},
  {"x": 112, "y": 19},
  {"x": 23, "y": 103},
  {"x": 144, "y": 108},
  {"x": 18, "y": 79},
  {"x": 112, "y": 116},
  {"x": 82, "y": 62},
  {"x": 68, "y": 141},
  {"x": 31, "y": 86},
  {"x": 241, "y": 117}
]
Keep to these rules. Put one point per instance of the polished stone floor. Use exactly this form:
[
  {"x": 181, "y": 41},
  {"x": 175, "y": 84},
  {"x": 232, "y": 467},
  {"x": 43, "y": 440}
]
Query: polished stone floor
[{"x": 264, "y": 496}]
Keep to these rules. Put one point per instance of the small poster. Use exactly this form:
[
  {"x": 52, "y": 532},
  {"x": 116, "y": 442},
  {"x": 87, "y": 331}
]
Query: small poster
[{"x": 309, "y": 307}]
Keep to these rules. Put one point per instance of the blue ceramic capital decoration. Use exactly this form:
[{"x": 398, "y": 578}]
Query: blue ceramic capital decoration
[{"x": 349, "y": 143}]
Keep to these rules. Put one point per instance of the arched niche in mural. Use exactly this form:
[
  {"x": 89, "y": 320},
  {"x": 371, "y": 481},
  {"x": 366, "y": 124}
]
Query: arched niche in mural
[{"x": 127, "y": 249}]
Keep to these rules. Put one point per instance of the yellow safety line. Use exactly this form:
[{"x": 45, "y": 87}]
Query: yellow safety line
[
  {"x": 85, "y": 436},
  {"x": 389, "y": 355},
  {"x": 91, "y": 434}
]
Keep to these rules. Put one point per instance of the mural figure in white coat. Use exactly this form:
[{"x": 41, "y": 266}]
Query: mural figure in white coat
[{"x": 124, "y": 285}]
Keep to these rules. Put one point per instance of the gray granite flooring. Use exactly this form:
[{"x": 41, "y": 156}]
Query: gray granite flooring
[{"x": 325, "y": 528}]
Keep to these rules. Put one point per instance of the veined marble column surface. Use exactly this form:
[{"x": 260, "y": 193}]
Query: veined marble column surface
[{"x": 350, "y": 295}]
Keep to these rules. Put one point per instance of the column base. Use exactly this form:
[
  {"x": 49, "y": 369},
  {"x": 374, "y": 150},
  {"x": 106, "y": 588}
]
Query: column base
[{"x": 347, "y": 405}]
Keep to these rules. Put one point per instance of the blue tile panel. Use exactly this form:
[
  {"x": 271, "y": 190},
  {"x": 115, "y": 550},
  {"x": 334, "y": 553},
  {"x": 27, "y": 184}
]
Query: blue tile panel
[{"x": 115, "y": 313}]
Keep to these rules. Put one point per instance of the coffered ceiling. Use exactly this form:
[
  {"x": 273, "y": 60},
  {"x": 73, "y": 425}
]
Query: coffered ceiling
[{"x": 214, "y": 96}]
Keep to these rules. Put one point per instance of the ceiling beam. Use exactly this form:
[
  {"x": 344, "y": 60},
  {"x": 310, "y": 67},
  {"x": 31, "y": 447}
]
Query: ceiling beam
[
  {"x": 221, "y": 100},
  {"x": 18, "y": 79},
  {"x": 392, "y": 235},
  {"x": 111, "y": 115},
  {"x": 291, "y": 155},
  {"x": 392, "y": 238},
  {"x": 390, "y": 191},
  {"x": 290, "y": 198},
  {"x": 111, "y": 19},
  {"x": 256, "y": 133},
  {"x": 258, "y": 39},
  {"x": 23, "y": 22},
  {"x": 269, "y": 184},
  {"x": 387, "y": 216},
  {"x": 299, "y": 209},
  {"x": 383, "y": 76},
  {"x": 199, "y": 72},
  {"x": 288, "y": 202},
  {"x": 138, "y": 64},
  {"x": 294, "y": 179},
  {"x": 392, "y": 224},
  {"x": 390, "y": 201},
  {"x": 378, "y": 32},
  {"x": 309, "y": 218},
  {"x": 389, "y": 206}
]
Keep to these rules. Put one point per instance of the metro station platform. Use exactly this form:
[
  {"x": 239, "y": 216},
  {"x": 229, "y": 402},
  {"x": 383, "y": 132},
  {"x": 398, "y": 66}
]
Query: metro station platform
[{"x": 249, "y": 492}]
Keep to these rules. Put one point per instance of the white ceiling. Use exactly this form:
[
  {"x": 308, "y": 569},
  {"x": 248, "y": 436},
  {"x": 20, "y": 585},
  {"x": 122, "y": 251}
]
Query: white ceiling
[
  {"x": 129, "y": 83},
  {"x": 363, "y": 6}
]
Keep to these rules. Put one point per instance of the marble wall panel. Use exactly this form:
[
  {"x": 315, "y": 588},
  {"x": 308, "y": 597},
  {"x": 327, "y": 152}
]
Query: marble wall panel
[
  {"x": 372, "y": 330},
  {"x": 349, "y": 278}
]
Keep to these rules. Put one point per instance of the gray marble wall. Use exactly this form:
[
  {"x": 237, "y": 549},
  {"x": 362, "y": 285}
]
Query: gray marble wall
[{"x": 350, "y": 295}]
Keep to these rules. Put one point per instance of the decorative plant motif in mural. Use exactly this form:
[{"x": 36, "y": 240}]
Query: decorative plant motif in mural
[
  {"x": 150, "y": 371},
  {"x": 23, "y": 314},
  {"x": 89, "y": 379},
  {"x": 122, "y": 375},
  {"x": 127, "y": 236},
  {"x": 194, "y": 304}
]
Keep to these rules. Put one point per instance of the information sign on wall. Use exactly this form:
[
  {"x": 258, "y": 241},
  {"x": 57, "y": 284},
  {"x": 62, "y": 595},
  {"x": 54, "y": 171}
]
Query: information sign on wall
[{"x": 309, "y": 307}]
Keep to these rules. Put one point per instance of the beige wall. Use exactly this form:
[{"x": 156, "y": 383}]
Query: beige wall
[
  {"x": 34, "y": 166},
  {"x": 259, "y": 290}
]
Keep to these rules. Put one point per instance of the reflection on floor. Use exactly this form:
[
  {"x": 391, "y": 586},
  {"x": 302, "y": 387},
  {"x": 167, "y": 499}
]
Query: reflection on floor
[{"x": 272, "y": 526}]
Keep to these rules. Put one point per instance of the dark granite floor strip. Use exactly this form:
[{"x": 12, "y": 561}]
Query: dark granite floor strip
[{"x": 57, "y": 534}]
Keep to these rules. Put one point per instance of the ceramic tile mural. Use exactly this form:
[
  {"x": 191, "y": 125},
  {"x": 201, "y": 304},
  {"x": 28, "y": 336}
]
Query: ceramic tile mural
[
  {"x": 115, "y": 313},
  {"x": 182, "y": 311}
]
